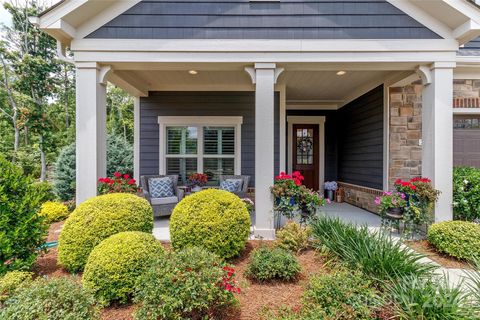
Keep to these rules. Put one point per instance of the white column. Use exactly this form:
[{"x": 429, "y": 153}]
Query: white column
[
  {"x": 437, "y": 134},
  {"x": 91, "y": 130},
  {"x": 264, "y": 76},
  {"x": 136, "y": 139}
]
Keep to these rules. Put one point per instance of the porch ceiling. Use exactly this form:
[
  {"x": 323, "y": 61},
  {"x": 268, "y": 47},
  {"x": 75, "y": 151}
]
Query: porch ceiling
[{"x": 320, "y": 86}]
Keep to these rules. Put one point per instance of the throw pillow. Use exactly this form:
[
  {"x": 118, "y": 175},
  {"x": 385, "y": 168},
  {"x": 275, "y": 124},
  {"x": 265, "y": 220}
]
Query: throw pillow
[
  {"x": 231, "y": 185},
  {"x": 161, "y": 187}
]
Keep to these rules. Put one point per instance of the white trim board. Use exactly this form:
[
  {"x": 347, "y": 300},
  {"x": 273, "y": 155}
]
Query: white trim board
[
  {"x": 200, "y": 122},
  {"x": 320, "y": 120}
]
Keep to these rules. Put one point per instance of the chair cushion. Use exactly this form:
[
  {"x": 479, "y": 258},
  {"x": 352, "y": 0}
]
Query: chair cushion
[
  {"x": 231, "y": 185},
  {"x": 160, "y": 201},
  {"x": 161, "y": 187}
]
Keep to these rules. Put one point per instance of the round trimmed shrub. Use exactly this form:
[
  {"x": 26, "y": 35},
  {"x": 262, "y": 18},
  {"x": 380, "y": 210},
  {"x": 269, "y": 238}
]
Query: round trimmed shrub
[
  {"x": 213, "y": 219},
  {"x": 53, "y": 211},
  {"x": 115, "y": 264},
  {"x": 188, "y": 284},
  {"x": 458, "y": 239},
  {"x": 97, "y": 219},
  {"x": 22, "y": 231},
  {"x": 268, "y": 264},
  {"x": 55, "y": 299},
  {"x": 294, "y": 237},
  {"x": 12, "y": 281}
]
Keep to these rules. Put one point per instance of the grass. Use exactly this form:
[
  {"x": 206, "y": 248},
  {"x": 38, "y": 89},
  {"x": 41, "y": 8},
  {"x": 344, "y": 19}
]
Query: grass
[{"x": 376, "y": 254}]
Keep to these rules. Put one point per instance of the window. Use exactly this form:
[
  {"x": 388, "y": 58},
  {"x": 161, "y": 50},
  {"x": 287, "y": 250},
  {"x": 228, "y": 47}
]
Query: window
[
  {"x": 470, "y": 122},
  {"x": 209, "y": 145}
]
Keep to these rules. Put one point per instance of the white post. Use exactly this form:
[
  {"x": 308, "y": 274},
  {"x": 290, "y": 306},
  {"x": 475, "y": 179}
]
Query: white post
[
  {"x": 437, "y": 134},
  {"x": 264, "y": 76},
  {"x": 91, "y": 130},
  {"x": 136, "y": 139}
]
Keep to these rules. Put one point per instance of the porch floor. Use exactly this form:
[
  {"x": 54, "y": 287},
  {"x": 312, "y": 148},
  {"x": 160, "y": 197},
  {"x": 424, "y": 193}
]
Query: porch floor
[{"x": 344, "y": 211}]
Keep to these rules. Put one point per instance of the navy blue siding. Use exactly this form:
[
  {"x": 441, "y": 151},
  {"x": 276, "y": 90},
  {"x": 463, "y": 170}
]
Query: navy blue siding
[
  {"x": 473, "y": 45},
  {"x": 242, "y": 19},
  {"x": 200, "y": 104},
  {"x": 360, "y": 140}
]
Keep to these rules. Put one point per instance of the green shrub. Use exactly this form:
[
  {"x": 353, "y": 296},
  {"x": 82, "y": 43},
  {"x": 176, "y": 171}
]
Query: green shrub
[
  {"x": 375, "y": 254},
  {"x": 97, "y": 219},
  {"x": 46, "y": 190},
  {"x": 12, "y": 281},
  {"x": 458, "y": 239},
  {"x": 466, "y": 193},
  {"x": 213, "y": 219},
  {"x": 294, "y": 237},
  {"x": 424, "y": 298},
  {"x": 115, "y": 264},
  {"x": 344, "y": 293},
  {"x": 55, "y": 299},
  {"x": 22, "y": 231},
  {"x": 269, "y": 264},
  {"x": 119, "y": 158},
  {"x": 53, "y": 211},
  {"x": 189, "y": 284}
]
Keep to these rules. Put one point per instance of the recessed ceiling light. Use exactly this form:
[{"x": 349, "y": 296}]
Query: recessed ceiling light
[
  {"x": 341, "y": 73},
  {"x": 193, "y": 72}
]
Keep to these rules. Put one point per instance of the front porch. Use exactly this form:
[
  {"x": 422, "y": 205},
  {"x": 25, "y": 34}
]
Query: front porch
[
  {"x": 357, "y": 123},
  {"x": 344, "y": 211}
]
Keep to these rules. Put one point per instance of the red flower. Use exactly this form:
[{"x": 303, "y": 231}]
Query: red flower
[
  {"x": 117, "y": 174},
  {"x": 126, "y": 176},
  {"x": 131, "y": 182}
]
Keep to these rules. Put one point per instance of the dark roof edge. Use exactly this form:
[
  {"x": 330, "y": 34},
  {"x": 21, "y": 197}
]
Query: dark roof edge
[{"x": 51, "y": 8}]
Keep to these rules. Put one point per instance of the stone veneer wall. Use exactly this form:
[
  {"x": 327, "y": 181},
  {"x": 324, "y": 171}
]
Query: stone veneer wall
[
  {"x": 466, "y": 93},
  {"x": 360, "y": 196},
  {"x": 405, "y": 159}
]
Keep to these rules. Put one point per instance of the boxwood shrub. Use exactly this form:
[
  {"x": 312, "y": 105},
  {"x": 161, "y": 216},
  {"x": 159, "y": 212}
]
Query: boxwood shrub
[
  {"x": 294, "y": 237},
  {"x": 12, "y": 281},
  {"x": 53, "y": 211},
  {"x": 213, "y": 219},
  {"x": 97, "y": 219},
  {"x": 459, "y": 239},
  {"x": 22, "y": 231},
  {"x": 188, "y": 284},
  {"x": 115, "y": 264},
  {"x": 466, "y": 193},
  {"x": 269, "y": 264},
  {"x": 55, "y": 299}
]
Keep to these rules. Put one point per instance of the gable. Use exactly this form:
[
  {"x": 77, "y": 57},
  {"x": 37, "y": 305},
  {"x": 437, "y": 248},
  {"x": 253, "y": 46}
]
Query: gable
[{"x": 244, "y": 19}]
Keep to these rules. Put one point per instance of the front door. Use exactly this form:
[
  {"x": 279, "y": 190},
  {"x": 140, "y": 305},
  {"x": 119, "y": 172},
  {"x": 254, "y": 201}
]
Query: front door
[{"x": 306, "y": 153}]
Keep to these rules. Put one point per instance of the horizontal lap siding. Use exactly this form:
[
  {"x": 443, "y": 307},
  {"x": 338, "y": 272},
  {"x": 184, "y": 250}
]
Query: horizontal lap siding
[
  {"x": 360, "y": 140},
  {"x": 242, "y": 19},
  {"x": 200, "y": 104}
]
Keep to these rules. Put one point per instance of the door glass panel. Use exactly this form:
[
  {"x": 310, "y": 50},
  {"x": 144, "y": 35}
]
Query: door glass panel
[{"x": 305, "y": 146}]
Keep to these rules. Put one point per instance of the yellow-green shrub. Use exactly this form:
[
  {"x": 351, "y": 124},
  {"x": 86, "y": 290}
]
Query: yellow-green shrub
[
  {"x": 294, "y": 237},
  {"x": 12, "y": 281},
  {"x": 115, "y": 264},
  {"x": 53, "y": 211},
  {"x": 97, "y": 219},
  {"x": 213, "y": 219},
  {"x": 460, "y": 239}
]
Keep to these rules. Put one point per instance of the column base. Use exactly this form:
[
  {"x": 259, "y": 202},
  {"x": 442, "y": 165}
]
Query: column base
[{"x": 263, "y": 234}]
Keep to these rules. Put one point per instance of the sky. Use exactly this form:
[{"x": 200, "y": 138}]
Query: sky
[{"x": 5, "y": 17}]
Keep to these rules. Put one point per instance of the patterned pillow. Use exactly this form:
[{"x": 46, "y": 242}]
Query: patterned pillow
[
  {"x": 231, "y": 185},
  {"x": 161, "y": 187}
]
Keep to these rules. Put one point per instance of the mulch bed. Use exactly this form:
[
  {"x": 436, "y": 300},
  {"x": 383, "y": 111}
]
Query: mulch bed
[
  {"x": 255, "y": 298},
  {"x": 446, "y": 261}
]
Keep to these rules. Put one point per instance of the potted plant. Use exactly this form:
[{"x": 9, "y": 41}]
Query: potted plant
[
  {"x": 331, "y": 187},
  {"x": 119, "y": 183},
  {"x": 309, "y": 202},
  {"x": 196, "y": 181},
  {"x": 391, "y": 203}
]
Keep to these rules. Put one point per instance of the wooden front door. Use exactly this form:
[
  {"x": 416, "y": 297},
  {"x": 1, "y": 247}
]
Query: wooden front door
[{"x": 306, "y": 153}]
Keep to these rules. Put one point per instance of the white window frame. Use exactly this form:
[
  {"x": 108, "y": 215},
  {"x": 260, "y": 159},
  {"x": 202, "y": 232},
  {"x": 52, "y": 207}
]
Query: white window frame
[{"x": 200, "y": 122}]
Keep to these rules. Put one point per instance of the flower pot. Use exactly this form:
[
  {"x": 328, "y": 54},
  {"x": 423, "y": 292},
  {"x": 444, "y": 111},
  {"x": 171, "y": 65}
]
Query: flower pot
[
  {"x": 196, "y": 189},
  {"x": 395, "y": 212},
  {"x": 330, "y": 195}
]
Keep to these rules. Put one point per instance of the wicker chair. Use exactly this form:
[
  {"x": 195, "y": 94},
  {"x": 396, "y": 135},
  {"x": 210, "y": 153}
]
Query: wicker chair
[
  {"x": 242, "y": 193},
  {"x": 162, "y": 206}
]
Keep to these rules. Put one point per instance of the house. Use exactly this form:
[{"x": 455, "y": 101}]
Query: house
[{"x": 360, "y": 92}]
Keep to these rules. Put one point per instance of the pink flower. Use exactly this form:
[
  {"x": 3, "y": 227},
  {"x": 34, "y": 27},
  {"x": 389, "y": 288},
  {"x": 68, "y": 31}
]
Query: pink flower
[
  {"x": 328, "y": 201},
  {"x": 378, "y": 201}
]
